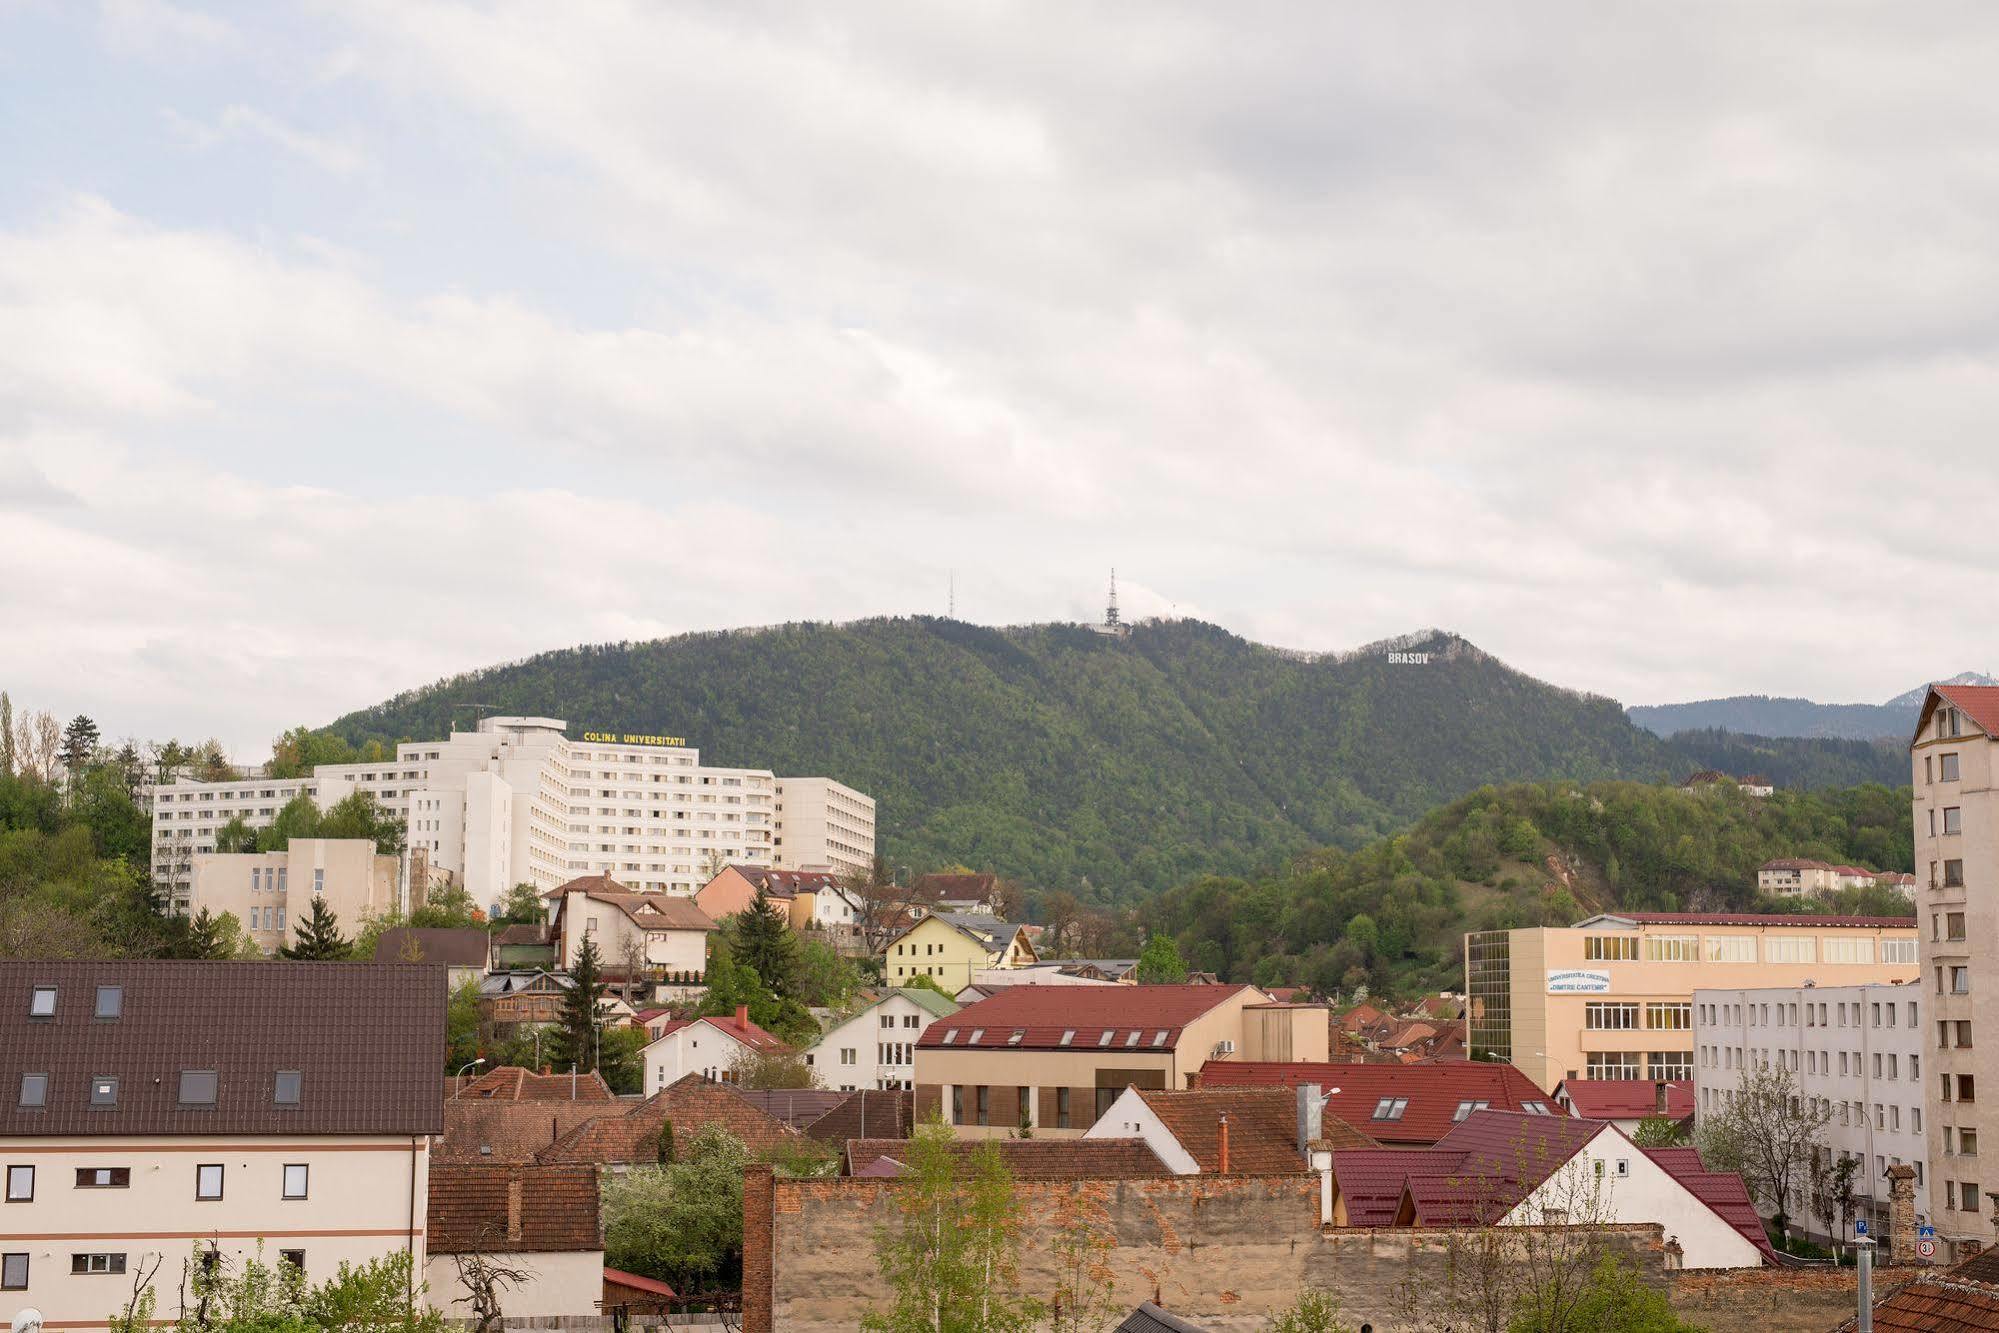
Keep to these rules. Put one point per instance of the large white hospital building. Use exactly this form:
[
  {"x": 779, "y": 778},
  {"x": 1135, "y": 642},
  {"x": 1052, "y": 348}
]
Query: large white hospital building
[{"x": 519, "y": 800}]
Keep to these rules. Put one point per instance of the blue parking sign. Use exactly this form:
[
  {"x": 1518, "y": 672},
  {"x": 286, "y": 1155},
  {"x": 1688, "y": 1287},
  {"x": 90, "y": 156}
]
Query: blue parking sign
[{"x": 1860, "y": 1226}]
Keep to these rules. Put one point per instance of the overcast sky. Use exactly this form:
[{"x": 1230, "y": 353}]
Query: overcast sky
[{"x": 344, "y": 347}]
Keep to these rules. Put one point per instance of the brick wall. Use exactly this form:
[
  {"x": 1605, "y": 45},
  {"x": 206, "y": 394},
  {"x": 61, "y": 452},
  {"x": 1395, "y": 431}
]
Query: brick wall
[{"x": 759, "y": 1248}]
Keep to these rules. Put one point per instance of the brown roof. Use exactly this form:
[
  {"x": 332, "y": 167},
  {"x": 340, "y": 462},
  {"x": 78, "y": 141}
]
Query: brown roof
[
  {"x": 870, "y": 1113},
  {"x": 1956, "y": 1300},
  {"x": 367, "y": 1040},
  {"x": 955, "y": 888},
  {"x": 521, "y": 934},
  {"x": 691, "y": 1104},
  {"x": 1051, "y": 1018},
  {"x": 496, "y": 1131},
  {"x": 455, "y": 947},
  {"x": 512, "y": 1209},
  {"x": 1034, "y": 1159},
  {"x": 648, "y": 911},
  {"x": 511, "y": 1083},
  {"x": 797, "y": 1107},
  {"x": 1263, "y": 1128},
  {"x": 786, "y": 883}
]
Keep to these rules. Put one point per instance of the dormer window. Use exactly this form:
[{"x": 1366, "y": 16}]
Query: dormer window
[
  {"x": 973, "y": 1040},
  {"x": 1068, "y": 1036},
  {"x": 1159, "y": 1037},
  {"x": 1132, "y": 1038},
  {"x": 1106, "y": 1038},
  {"x": 950, "y": 1036},
  {"x": 42, "y": 1002}
]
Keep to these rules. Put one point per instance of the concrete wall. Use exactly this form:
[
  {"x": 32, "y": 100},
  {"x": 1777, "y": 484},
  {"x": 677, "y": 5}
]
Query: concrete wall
[{"x": 565, "y": 1283}]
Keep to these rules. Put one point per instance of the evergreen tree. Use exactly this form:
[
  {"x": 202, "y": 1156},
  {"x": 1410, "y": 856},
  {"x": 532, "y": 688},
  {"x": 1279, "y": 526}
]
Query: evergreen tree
[
  {"x": 765, "y": 944},
  {"x": 576, "y": 1028},
  {"x": 318, "y": 938},
  {"x": 79, "y": 742},
  {"x": 204, "y": 937},
  {"x": 6, "y": 736}
]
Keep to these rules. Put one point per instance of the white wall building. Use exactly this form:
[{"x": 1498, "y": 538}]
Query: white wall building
[
  {"x": 1857, "y": 1049},
  {"x": 820, "y": 822},
  {"x": 271, "y": 893},
  {"x": 876, "y": 1048},
  {"x": 518, "y": 801},
  {"x": 708, "y": 1046}
]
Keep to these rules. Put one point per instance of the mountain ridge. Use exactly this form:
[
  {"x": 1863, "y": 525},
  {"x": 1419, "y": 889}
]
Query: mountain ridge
[{"x": 1779, "y": 715}]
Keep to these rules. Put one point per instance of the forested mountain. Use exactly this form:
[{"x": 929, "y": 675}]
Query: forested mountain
[
  {"x": 1762, "y": 715},
  {"x": 1393, "y": 914},
  {"x": 1073, "y": 759}
]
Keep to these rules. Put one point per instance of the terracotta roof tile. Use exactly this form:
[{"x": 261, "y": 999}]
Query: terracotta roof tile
[
  {"x": 1627, "y": 1099},
  {"x": 1034, "y": 1159},
  {"x": 1980, "y": 703},
  {"x": 797, "y": 1107},
  {"x": 691, "y": 1104},
  {"x": 869, "y": 1113},
  {"x": 511, "y": 1083},
  {"x": 1263, "y": 1128},
  {"x": 1043, "y": 1015},
  {"x": 1435, "y": 1092},
  {"x": 732, "y": 1025},
  {"x": 512, "y": 1209},
  {"x": 503, "y": 1131}
]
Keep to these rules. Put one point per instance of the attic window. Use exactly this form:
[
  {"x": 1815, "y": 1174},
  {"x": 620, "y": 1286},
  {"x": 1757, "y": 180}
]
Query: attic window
[
  {"x": 34, "y": 1091},
  {"x": 1390, "y": 1108},
  {"x": 950, "y": 1036},
  {"x": 290, "y": 1087},
  {"x": 197, "y": 1087},
  {"x": 1132, "y": 1039},
  {"x": 42, "y": 1003},
  {"x": 1467, "y": 1107},
  {"x": 973, "y": 1040},
  {"x": 1159, "y": 1037},
  {"x": 1105, "y": 1039},
  {"x": 110, "y": 1001},
  {"x": 1068, "y": 1036},
  {"x": 1015, "y": 1039},
  {"x": 104, "y": 1092},
  {"x": 1536, "y": 1108}
]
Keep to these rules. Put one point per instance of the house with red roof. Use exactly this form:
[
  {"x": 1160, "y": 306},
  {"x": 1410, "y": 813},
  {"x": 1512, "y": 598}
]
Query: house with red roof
[
  {"x": 1247, "y": 1131},
  {"x": 1504, "y": 1168},
  {"x": 1400, "y": 1106},
  {"x": 710, "y": 1046},
  {"x": 1625, "y": 1102},
  {"x": 1054, "y": 1058}
]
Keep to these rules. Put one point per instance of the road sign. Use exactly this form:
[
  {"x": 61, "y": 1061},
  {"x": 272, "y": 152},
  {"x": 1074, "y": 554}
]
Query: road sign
[
  {"x": 1927, "y": 1232},
  {"x": 1860, "y": 1226},
  {"x": 1927, "y": 1248}
]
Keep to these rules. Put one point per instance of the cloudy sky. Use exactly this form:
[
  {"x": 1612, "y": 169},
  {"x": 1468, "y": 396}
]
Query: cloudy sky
[{"x": 346, "y": 346}]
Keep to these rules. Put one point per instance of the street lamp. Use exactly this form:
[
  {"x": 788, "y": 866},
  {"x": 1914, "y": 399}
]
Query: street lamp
[{"x": 459, "y": 1088}]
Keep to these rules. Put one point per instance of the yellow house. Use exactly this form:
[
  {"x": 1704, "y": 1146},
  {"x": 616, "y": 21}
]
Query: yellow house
[{"x": 948, "y": 947}]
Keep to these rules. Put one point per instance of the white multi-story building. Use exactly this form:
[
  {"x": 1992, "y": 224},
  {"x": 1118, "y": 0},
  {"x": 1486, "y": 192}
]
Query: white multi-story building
[
  {"x": 876, "y": 1048},
  {"x": 518, "y": 801},
  {"x": 1857, "y": 1050},
  {"x": 823, "y": 823}
]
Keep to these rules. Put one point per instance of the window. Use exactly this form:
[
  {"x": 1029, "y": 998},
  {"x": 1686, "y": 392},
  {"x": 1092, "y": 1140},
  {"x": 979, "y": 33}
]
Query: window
[
  {"x": 1731, "y": 948},
  {"x": 1608, "y": 1016},
  {"x": 1967, "y": 1142},
  {"x": 1790, "y": 949},
  {"x": 1610, "y": 948},
  {"x": 296, "y": 1174},
  {"x": 983, "y": 1097},
  {"x": 208, "y": 1181},
  {"x": 1960, "y": 981},
  {"x": 42, "y": 1003},
  {"x": 1670, "y": 1017},
  {"x": 197, "y": 1087},
  {"x": 1390, "y": 1108},
  {"x": 1849, "y": 949},
  {"x": 1969, "y": 1193},
  {"x": 104, "y": 1091},
  {"x": 1953, "y": 820},
  {"x": 950, "y": 1036},
  {"x": 13, "y": 1272},
  {"x": 1062, "y": 1108},
  {"x": 1953, "y": 874},
  {"x": 1104, "y": 1039},
  {"x": 1132, "y": 1038},
  {"x": 1672, "y": 948},
  {"x": 973, "y": 1040},
  {"x": 1159, "y": 1037},
  {"x": 1946, "y": 767},
  {"x": 296, "y": 1258},
  {"x": 289, "y": 1085},
  {"x": 1953, "y": 925},
  {"x": 1611, "y": 1064},
  {"x": 1068, "y": 1036},
  {"x": 957, "y": 1104},
  {"x": 1898, "y": 951},
  {"x": 1466, "y": 1108},
  {"x": 1669, "y": 1065},
  {"x": 110, "y": 1002},
  {"x": 34, "y": 1091},
  {"x": 1967, "y": 1088},
  {"x": 97, "y": 1263},
  {"x": 103, "y": 1177},
  {"x": 20, "y": 1184}
]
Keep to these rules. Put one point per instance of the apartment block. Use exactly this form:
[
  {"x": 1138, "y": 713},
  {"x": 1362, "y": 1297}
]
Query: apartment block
[
  {"x": 165, "y": 1107},
  {"x": 1856, "y": 1052},
  {"x": 822, "y": 823},
  {"x": 518, "y": 801},
  {"x": 1611, "y": 997},
  {"x": 1951, "y": 764},
  {"x": 257, "y": 888}
]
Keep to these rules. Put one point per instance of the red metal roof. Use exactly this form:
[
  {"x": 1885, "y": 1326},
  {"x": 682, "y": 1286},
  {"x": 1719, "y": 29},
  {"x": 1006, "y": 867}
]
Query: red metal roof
[
  {"x": 1434, "y": 1091},
  {"x": 1627, "y": 1099},
  {"x": 1041, "y": 1017},
  {"x": 1761, "y": 919},
  {"x": 1722, "y": 1191},
  {"x": 744, "y": 1031},
  {"x": 1371, "y": 1181}
]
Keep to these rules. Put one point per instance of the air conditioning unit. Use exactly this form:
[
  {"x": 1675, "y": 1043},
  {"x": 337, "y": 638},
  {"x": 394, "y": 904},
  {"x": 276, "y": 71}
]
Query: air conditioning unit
[{"x": 1225, "y": 1047}]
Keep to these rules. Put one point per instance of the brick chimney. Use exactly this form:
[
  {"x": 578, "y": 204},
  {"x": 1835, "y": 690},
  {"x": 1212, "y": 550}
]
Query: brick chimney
[
  {"x": 742, "y": 1015},
  {"x": 514, "y": 1209},
  {"x": 1659, "y": 1098},
  {"x": 1222, "y": 1146},
  {"x": 1311, "y": 1117},
  {"x": 1902, "y": 1215}
]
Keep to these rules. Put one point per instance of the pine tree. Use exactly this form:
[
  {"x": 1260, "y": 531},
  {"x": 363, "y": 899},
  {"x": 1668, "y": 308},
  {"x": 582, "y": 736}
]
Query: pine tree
[
  {"x": 79, "y": 742},
  {"x": 204, "y": 936},
  {"x": 576, "y": 1030},
  {"x": 319, "y": 938},
  {"x": 765, "y": 944}
]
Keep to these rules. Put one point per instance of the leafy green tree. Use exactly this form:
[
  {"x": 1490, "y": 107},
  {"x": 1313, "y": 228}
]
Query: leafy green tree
[
  {"x": 448, "y": 907},
  {"x": 1159, "y": 962},
  {"x": 771, "y": 1070},
  {"x": 317, "y": 938},
  {"x": 766, "y": 945},
  {"x": 825, "y": 978},
  {"x": 575, "y": 1034},
  {"x": 622, "y": 1059},
  {"x": 235, "y": 836},
  {"x": 1614, "y": 1301},
  {"x": 1658, "y": 1131},
  {"x": 1316, "y": 1310},
  {"x": 521, "y": 906},
  {"x": 463, "y": 1027},
  {"x": 681, "y": 1222}
]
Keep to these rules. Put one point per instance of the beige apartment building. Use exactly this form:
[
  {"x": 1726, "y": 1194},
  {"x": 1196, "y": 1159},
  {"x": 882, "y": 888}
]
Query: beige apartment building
[
  {"x": 271, "y": 892},
  {"x": 1054, "y": 1058},
  {"x": 1612, "y": 997},
  {"x": 162, "y": 1108},
  {"x": 820, "y": 822},
  {"x": 1951, "y": 762}
]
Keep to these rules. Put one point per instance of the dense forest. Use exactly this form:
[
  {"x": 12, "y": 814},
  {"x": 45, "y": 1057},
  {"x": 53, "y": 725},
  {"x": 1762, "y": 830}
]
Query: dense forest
[
  {"x": 1107, "y": 766},
  {"x": 1391, "y": 915}
]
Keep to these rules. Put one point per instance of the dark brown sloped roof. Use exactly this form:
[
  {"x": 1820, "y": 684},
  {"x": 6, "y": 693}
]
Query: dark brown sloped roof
[
  {"x": 1034, "y": 1159},
  {"x": 513, "y": 1209},
  {"x": 1263, "y": 1128},
  {"x": 871, "y": 1113},
  {"x": 691, "y": 1104},
  {"x": 458, "y": 947},
  {"x": 1150, "y": 1318},
  {"x": 366, "y": 1038},
  {"x": 797, "y": 1107},
  {"x": 498, "y": 1131}
]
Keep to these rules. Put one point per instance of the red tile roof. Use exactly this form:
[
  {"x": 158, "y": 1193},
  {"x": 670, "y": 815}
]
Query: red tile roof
[
  {"x": 511, "y": 1083},
  {"x": 1759, "y": 919},
  {"x": 620, "y": 1286},
  {"x": 869, "y": 1113},
  {"x": 500, "y": 1131},
  {"x": 1980, "y": 703},
  {"x": 512, "y": 1209},
  {"x": 730, "y": 1025},
  {"x": 1627, "y": 1099},
  {"x": 1092, "y": 1017},
  {"x": 1434, "y": 1091},
  {"x": 1031, "y": 1159},
  {"x": 691, "y": 1104},
  {"x": 1263, "y": 1133}
]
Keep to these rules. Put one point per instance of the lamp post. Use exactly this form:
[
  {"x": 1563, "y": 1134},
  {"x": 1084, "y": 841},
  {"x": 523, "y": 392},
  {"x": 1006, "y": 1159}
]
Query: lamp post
[{"x": 458, "y": 1088}]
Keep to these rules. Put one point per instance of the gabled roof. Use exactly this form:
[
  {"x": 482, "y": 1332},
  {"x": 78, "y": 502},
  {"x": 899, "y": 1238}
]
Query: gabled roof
[
  {"x": 932, "y": 1002},
  {"x": 797, "y": 1107},
  {"x": 514, "y": 1084},
  {"x": 1031, "y": 1159},
  {"x": 691, "y": 1103},
  {"x": 615, "y": 1278},
  {"x": 1626, "y": 1099},
  {"x": 647, "y": 911},
  {"x": 1124, "y": 1018},
  {"x": 1748, "y": 919},
  {"x": 1794, "y": 863},
  {"x": 1980, "y": 703},
  {"x": 954, "y": 888},
  {"x": 988, "y": 933},
  {"x": 501, "y": 1132},
  {"x": 1722, "y": 1191},
  {"x": 512, "y": 1209},
  {"x": 729, "y": 1025},
  {"x": 786, "y": 883},
  {"x": 367, "y": 1040},
  {"x": 1149, "y": 1318},
  {"x": 869, "y": 1113},
  {"x": 454, "y": 947},
  {"x": 1434, "y": 1092},
  {"x": 1263, "y": 1128},
  {"x": 497, "y": 984}
]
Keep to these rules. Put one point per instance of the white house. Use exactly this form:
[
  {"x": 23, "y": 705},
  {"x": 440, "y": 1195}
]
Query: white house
[
  {"x": 662, "y": 931},
  {"x": 538, "y": 1220},
  {"x": 709, "y": 1047},
  {"x": 876, "y": 1048}
]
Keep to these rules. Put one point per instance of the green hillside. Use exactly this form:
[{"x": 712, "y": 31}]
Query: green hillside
[
  {"x": 1392, "y": 915},
  {"x": 1069, "y": 758}
]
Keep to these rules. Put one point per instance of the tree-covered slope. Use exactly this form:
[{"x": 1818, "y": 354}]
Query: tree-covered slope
[{"x": 1059, "y": 755}]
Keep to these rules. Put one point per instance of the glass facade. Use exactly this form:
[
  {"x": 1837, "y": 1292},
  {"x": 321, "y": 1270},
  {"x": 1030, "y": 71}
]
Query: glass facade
[{"x": 1489, "y": 990}]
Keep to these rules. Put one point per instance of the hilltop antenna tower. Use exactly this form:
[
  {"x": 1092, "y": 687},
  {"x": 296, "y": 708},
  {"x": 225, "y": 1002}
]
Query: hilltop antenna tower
[{"x": 1111, "y": 622}]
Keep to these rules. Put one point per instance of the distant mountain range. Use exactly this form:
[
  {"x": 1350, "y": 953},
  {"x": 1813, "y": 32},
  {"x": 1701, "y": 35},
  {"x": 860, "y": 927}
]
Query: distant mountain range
[
  {"x": 1764, "y": 715},
  {"x": 1111, "y": 764}
]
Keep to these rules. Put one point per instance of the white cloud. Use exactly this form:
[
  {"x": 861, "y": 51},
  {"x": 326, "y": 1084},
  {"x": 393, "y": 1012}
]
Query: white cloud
[
  {"x": 331, "y": 155},
  {"x": 158, "y": 29}
]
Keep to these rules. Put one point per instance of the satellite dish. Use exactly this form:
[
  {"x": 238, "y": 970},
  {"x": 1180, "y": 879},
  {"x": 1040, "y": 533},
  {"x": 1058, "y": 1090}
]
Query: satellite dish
[{"x": 29, "y": 1320}]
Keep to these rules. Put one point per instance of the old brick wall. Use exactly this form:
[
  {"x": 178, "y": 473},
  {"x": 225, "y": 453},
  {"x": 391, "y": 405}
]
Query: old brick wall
[{"x": 1773, "y": 1300}]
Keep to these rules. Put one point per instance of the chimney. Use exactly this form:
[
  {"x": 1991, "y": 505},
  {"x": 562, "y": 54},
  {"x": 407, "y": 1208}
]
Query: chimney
[
  {"x": 514, "y": 1209},
  {"x": 1902, "y": 1215},
  {"x": 1311, "y": 1117},
  {"x": 1222, "y": 1146},
  {"x": 1659, "y": 1098},
  {"x": 742, "y": 1015}
]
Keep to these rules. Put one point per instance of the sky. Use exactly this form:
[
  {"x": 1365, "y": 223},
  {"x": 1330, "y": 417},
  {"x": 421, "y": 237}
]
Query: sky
[{"x": 346, "y": 346}]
